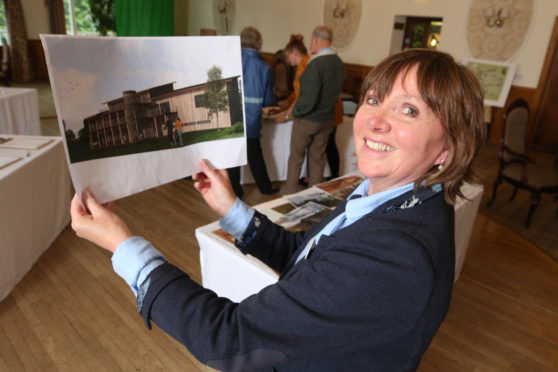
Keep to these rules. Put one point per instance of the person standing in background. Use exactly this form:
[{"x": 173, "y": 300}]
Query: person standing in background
[
  {"x": 258, "y": 92},
  {"x": 297, "y": 55},
  {"x": 331, "y": 149},
  {"x": 313, "y": 112}
]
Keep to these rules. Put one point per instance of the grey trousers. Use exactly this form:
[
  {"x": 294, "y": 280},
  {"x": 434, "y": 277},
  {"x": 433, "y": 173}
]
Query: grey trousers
[{"x": 312, "y": 136}]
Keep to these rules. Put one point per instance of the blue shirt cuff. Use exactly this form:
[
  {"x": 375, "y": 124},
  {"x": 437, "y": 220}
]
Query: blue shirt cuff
[
  {"x": 134, "y": 259},
  {"x": 238, "y": 219}
]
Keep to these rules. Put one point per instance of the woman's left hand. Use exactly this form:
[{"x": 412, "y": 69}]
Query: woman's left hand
[{"x": 98, "y": 223}]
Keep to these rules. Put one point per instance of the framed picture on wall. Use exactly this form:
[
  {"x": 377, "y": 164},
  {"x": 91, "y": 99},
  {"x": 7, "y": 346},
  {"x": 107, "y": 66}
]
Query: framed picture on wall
[{"x": 495, "y": 78}]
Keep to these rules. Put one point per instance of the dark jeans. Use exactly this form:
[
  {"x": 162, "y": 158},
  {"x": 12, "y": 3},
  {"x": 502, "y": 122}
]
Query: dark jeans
[
  {"x": 257, "y": 165},
  {"x": 332, "y": 155},
  {"x": 234, "y": 176}
]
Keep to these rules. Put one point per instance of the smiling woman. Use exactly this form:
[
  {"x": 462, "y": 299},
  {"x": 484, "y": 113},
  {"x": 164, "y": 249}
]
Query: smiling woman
[
  {"x": 378, "y": 281},
  {"x": 389, "y": 133},
  {"x": 426, "y": 94}
]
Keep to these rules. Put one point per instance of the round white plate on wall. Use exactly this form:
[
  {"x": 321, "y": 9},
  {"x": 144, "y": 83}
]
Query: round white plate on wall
[
  {"x": 496, "y": 29},
  {"x": 342, "y": 17}
]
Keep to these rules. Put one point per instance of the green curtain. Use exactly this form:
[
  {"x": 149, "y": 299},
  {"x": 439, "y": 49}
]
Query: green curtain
[{"x": 144, "y": 17}]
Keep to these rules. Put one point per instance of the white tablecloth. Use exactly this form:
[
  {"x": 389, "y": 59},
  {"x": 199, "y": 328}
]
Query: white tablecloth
[
  {"x": 229, "y": 273},
  {"x": 19, "y": 111},
  {"x": 35, "y": 195},
  {"x": 276, "y": 142}
]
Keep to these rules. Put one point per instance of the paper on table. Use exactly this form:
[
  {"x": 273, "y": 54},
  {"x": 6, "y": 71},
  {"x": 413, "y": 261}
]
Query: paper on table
[
  {"x": 8, "y": 160},
  {"x": 25, "y": 143},
  {"x": 114, "y": 97}
]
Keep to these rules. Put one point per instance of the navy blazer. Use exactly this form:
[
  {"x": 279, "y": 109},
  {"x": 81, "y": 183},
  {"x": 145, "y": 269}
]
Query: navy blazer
[{"x": 370, "y": 297}]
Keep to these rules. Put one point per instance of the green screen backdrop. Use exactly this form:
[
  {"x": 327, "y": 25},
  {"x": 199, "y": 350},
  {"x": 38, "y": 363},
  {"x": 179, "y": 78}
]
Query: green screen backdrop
[{"x": 144, "y": 17}]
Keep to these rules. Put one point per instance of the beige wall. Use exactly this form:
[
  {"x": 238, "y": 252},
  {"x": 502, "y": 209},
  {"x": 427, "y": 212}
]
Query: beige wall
[
  {"x": 36, "y": 18},
  {"x": 199, "y": 15},
  {"x": 181, "y": 17},
  {"x": 277, "y": 19}
]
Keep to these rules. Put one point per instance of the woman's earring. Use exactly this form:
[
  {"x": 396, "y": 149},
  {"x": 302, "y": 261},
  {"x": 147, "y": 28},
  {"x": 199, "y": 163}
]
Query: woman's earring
[{"x": 441, "y": 165}]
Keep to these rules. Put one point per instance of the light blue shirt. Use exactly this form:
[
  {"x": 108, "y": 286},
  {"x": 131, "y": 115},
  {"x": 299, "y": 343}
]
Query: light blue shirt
[
  {"x": 355, "y": 210},
  {"x": 323, "y": 50},
  {"x": 135, "y": 258}
]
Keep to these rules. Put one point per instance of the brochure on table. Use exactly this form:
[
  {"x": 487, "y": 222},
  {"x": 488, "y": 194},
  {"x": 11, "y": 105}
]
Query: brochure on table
[
  {"x": 119, "y": 99},
  {"x": 306, "y": 208}
]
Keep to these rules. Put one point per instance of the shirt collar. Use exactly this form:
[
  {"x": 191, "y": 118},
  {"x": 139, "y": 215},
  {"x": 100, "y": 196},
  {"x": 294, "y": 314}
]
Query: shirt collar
[
  {"x": 323, "y": 52},
  {"x": 358, "y": 207}
]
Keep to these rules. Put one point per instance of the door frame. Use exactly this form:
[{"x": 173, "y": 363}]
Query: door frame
[{"x": 543, "y": 86}]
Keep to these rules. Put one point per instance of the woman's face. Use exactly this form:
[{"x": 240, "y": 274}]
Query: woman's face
[
  {"x": 398, "y": 139},
  {"x": 293, "y": 57}
]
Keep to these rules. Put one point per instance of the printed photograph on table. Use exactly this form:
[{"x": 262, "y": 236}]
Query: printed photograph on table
[
  {"x": 147, "y": 104},
  {"x": 341, "y": 187},
  {"x": 284, "y": 208},
  {"x": 321, "y": 198},
  {"x": 304, "y": 217}
]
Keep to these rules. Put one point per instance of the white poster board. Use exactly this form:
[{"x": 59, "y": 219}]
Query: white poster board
[
  {"x": 118, "y": 100},
  {"x": 495, "y": 78}
]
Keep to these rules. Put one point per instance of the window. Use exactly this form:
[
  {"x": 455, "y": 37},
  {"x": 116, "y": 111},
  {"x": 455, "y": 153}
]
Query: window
[
  {"x": 165, "y": 107},
  {"x": 79, "y": 17},
  {"x": 3, "y": 23},
  {"x": 200, "y": 100}
]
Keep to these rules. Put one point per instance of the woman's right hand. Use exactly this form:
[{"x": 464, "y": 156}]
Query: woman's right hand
[{"x": 215, "y": 187}]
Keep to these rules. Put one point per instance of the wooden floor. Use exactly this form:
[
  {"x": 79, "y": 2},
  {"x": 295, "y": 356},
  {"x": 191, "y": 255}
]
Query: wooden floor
[{"x": 72, "y": 313}]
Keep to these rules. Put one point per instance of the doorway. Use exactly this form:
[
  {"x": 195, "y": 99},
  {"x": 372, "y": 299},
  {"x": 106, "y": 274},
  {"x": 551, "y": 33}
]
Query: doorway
[
  {"x": 415, "y": 32},
  {"x": 422, "y": 32}
]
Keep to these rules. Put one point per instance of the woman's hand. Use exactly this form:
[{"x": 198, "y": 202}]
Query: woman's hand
[
  {"x": 215, "y": 187},
  {"x": 98, "y": 223}
]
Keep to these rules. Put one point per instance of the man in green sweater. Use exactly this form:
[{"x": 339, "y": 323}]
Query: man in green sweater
[{"x": 313, "y": 112}]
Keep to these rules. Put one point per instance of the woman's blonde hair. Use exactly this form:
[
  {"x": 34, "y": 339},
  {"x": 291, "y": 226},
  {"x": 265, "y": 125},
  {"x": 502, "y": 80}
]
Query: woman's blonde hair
[{"x": 455, "y": 96}]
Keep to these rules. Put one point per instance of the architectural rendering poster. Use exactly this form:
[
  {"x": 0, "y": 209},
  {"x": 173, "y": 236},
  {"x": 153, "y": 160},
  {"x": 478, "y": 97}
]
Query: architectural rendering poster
[{"x": 139, "y": 112}]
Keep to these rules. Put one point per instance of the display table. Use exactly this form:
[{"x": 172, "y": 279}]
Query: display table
[
  {"x": 35, "y": 195},
  {"x": 19, "y": 111},
  {"x": 231, "y": 274},
  {"x": 276, "y": 142}
]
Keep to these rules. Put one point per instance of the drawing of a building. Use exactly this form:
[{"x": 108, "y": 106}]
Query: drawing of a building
[{"x": 141, "y": 115}]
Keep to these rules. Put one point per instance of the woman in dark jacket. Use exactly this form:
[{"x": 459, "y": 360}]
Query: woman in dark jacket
[{"x": 367, "y": 288}]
